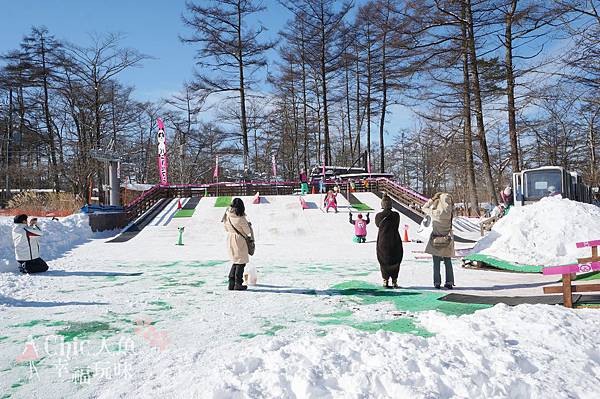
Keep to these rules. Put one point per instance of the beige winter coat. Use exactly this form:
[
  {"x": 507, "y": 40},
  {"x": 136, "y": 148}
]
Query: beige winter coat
[
  {"x": 238, "y": 249},
  {"x": 440, "y": 209}
]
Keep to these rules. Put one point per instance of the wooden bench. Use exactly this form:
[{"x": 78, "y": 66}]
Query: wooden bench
[{"x": 568, "y": 272}]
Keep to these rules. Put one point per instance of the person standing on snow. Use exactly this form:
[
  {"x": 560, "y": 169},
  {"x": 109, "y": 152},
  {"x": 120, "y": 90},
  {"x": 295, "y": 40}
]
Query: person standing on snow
[
  {"x": 441, "y": 241},
  {"x": 331, "y": 201},
  {"x": 27, "y": 247},
  {"x": 389, "y": 244},
  {"x": 322, "y": 186},
  {"x": 303, "y": 182},
  {"x": 360, "y": 227},
  {"x": 239, "y": 229}
]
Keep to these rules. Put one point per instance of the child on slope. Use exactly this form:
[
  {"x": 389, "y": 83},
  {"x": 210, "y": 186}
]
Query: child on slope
[
  {"x": 360, "y": 228},
  {"x": 331, "y": 201}
]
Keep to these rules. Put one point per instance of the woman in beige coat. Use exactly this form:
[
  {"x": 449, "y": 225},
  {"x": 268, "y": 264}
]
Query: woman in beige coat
[
  {"x": 237, "y": 226},
  {"x": 440, "y": 208}
]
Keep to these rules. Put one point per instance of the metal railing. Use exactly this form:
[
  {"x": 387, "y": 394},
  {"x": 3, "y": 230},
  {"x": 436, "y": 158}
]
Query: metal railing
[{"x": 145, "y": 201}]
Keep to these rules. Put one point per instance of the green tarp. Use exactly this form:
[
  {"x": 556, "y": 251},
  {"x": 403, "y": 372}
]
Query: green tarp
[{"x": 505, "y": 265}]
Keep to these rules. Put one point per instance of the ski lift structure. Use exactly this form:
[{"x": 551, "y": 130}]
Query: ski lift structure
[{"x": 113, "y": 160}]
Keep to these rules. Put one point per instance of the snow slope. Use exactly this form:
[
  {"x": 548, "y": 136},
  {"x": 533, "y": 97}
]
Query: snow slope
[
  {"x": 543, "y": 233},
  {"x": 157, "y": 321}
]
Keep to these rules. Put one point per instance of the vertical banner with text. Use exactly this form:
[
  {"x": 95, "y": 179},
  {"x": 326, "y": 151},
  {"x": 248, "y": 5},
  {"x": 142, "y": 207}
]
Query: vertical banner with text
[
  {"x": 162, "y": 153},
  {"x": 216, "y": 172}
]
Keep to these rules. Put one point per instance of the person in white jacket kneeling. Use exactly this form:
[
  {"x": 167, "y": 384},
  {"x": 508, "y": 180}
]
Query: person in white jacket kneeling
[{"x": 27, "y": 246}]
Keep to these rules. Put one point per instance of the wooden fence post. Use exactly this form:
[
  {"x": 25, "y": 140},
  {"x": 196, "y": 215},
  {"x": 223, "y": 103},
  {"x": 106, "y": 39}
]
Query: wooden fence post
[{"x": 567, "y": 291}]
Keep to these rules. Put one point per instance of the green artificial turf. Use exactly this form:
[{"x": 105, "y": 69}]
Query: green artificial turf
[
  {"x": 362, "y": 207},
  {"x": 222, "y": 202},
  {"x": 405, "y": 301},
  {"x": 184, "y": 213}
]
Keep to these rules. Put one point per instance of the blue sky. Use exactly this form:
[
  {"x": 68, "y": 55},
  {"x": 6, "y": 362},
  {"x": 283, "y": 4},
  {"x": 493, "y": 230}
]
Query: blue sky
[{"x": 150, "y": 26}]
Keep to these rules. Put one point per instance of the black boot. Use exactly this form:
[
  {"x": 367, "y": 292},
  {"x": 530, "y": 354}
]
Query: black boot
[
  {"x": 239, "y": 278},
  {"x": 232, "y": 277}
]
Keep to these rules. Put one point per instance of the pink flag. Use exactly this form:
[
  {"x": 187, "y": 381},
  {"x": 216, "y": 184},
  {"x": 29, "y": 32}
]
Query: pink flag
[
  {"x": 216, "y": 172},
  {"x": 162, "y": 152},
  {"x": 274, "y": 165}
]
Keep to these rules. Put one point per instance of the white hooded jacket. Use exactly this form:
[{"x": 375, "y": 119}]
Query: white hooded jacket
[{"x": 26, "y": 241}]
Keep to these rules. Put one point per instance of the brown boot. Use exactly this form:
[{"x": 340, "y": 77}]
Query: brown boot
[
  {"x": 386, "y": 283},
  {"x": 395, "y": 284}
]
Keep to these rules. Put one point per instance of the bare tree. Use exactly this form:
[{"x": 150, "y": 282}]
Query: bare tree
[
  {"x": 229, "y": 49},
  {"x": 327, "y": 27}
]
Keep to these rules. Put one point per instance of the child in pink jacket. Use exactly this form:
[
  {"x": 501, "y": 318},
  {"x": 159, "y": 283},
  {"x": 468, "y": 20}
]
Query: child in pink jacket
[
  {"x": 360, "y": 228},
  {"x": 331, "y": 201}
]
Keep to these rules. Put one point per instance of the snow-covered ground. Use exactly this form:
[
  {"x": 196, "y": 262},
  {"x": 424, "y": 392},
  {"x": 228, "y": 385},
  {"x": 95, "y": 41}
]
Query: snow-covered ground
[{"x": 147, "y": 318}]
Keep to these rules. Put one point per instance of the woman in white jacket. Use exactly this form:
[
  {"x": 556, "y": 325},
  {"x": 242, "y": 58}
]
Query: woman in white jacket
[{"x": 27, "y": 247}]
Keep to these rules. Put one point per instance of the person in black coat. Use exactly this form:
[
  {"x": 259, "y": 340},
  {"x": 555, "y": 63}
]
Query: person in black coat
[{"x": 389, "y": 244}]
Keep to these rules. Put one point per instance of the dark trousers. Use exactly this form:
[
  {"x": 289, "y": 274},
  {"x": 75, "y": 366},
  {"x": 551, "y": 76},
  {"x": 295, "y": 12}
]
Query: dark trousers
[
  {"x": 437, "y": 278},
  {"x": 36, "y": 265},
  {"x": 390, "y": 271},
  {"x": 236, "y": 275}
]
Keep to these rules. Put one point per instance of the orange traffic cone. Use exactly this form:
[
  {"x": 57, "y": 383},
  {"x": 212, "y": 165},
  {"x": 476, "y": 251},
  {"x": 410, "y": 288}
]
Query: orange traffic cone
[
  {"x": 314, "y": 191},
  {"x": 179, "y": 203},
  {"x": 405, "y": 239}
]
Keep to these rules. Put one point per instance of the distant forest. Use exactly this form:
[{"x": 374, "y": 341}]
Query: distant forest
[{"x": 496, "y": 86}]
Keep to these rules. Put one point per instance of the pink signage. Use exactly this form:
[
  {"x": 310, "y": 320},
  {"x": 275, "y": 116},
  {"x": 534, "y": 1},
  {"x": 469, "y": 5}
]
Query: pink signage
[{"x": 161, "y": 137}]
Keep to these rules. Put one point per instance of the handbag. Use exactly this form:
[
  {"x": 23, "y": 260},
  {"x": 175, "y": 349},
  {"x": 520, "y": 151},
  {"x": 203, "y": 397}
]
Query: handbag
[
  {"x": 249, "y": 240},
  {"x": 443, "y": 241}
]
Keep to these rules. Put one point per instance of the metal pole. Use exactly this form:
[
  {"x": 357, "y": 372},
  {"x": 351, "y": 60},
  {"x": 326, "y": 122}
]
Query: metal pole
[{"x": 115, "y": 193}]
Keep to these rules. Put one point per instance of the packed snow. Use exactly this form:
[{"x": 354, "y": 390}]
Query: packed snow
[
  {"x": 484, "y": 355},
  {"x": 148, "y": 318},
  {"x": 543, "y": 233}
]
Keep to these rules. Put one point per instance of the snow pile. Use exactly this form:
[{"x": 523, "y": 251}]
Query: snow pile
[
  {"x": 543, "y": 233},
  {"x": 483, "y": 355},
  {"x": 137, "y": 186},
  {"x": 59, "y": 237}
]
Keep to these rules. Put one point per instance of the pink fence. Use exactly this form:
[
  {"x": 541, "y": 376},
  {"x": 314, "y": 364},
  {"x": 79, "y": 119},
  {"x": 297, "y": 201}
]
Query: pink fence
[
  {"x": 575, "y": 268},
  {"x": 594, "y": 243}
]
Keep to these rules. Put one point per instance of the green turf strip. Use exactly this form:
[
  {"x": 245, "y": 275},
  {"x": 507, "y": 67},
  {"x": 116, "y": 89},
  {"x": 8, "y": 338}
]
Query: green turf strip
[
  {"x": 82, "y": 330},
  {"x": 361, "y": 207},
  {"x": 404, "y": 301},
  {"x": 407, "y": 300},
  {"x": 501, "y": 264},
  {"x": 588, "y": 276},
  {"x": 222, "y": 202},
  {"x": 184, "y": 213}
]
